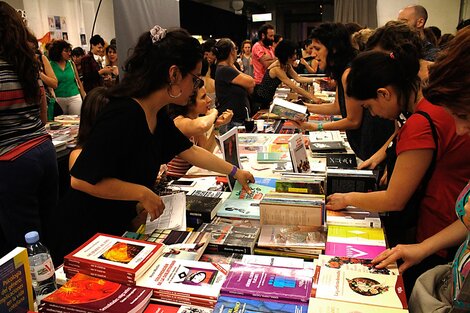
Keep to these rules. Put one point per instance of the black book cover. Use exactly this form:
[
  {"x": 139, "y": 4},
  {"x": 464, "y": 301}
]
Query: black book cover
[
  {"x": 341, "y": 160},
  {"x": 203, "y": 208},
  {"x": 327, "y": 146}
]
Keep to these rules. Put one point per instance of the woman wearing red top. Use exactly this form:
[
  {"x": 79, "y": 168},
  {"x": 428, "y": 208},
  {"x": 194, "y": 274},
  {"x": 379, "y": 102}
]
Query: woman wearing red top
[{"x": 387, "y": 84}]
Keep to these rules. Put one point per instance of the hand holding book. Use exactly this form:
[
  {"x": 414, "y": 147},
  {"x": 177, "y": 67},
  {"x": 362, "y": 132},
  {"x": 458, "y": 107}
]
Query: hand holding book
[{"x": 410, "y": 254}]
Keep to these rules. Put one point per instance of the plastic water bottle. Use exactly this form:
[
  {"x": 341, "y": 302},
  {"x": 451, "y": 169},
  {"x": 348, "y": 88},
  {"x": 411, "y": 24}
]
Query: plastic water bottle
[{"x": 42, "y": 268}]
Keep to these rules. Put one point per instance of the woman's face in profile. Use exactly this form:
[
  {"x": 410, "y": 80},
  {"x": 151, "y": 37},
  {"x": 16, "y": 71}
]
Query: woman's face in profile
[
  {"x": 321, "y": 53},
  {"x": 202, "y": 101}
]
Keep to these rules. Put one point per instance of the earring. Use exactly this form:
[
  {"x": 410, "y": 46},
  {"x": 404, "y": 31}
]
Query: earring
[{"x": 172, "y": 95}]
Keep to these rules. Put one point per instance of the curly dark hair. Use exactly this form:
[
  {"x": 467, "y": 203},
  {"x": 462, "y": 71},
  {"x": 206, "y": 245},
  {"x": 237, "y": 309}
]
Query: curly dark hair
[
  {"x": 284, "y": 50},
  {"x": 147, "y": 68},
  {"x": 55, "y": 51},
  {"x": 335, "y": 37},
  {"x": 15, "y": 50}
]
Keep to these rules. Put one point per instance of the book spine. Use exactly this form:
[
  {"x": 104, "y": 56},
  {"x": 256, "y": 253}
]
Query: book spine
[
  {"x": 234, "y": 249},
  {"x": 58, "y": 308},
  {"x": 180, "y": 294},
  {"x": 205, "y": 217},
  {"x": 262, "y": 295},
  {"x": 180, "y": 301},
  {"x": 70, "y": 272},
  {"x": 100, "y": 270}
]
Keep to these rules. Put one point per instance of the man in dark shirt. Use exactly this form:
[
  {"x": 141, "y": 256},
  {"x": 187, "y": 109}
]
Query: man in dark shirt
[
  {"x": 92, "y": 65},
  {"x": 416, "y": 16}
]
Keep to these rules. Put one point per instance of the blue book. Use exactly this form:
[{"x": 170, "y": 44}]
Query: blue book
[
  {"x": 227, "y": 304},
  {"x": 238, "y": 208}
]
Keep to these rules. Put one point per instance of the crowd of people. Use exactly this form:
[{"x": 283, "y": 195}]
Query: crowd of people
[{"x": 402, "y": 91}]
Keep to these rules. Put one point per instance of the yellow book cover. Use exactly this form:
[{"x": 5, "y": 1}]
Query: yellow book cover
[
  {"x": 16, "y": 289},
  {"x": 356, "y": 235}
]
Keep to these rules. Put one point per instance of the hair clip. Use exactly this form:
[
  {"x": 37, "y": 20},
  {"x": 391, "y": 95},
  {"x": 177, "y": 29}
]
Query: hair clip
[
  {"x": 392, "y": 56},
  {"x": 157, "y": 33}
]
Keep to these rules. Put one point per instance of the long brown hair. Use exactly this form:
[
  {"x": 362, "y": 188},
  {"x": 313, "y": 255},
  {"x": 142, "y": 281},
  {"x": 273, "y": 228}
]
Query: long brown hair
[
  {"x": 15, "y": 50},
  {"x": 449, "y": 81}
]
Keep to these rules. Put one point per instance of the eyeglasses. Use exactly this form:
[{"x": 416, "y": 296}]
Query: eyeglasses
[{"x": 197, "y": 82}]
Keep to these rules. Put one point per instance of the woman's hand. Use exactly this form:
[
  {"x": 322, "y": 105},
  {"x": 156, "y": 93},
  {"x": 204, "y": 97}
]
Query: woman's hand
[
  {"x": 336, "y": 201},
  {"x": 410, "y": 254},
  {"x": 224, "y": 118},
  {"x": 243, "y": 177},
  {"x": 304, "y": 125},
  {"x": 152, "y": 203},
  {"x": 374, "y": 160}
]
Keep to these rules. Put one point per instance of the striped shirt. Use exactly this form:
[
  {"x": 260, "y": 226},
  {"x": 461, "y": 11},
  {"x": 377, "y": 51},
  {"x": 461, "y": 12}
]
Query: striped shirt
[
  {"x": 20, "y": 122},
  {"x": 461, "y": 265},
  {"x": 178, "y": 167}
]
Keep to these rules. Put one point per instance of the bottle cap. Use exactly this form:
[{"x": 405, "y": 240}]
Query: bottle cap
[{"x": 32, "y": 237}]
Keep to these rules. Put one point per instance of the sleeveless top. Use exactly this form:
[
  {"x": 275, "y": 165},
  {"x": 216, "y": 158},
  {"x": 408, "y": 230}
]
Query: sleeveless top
[
  {"x": 178, "y": 166},
  {"x": 266, "y": 90}
]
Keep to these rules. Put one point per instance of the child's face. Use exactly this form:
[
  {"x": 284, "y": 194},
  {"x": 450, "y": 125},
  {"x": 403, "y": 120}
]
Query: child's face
[{"x": 202, "y": 101}]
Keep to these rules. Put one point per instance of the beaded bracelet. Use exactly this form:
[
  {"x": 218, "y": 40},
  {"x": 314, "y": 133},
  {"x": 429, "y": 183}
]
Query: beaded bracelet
[{"x": 320, "y": 127}]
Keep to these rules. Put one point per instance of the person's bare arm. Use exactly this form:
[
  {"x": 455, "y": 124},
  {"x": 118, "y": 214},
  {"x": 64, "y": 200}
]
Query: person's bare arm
[{"x": 48, "y": 77}]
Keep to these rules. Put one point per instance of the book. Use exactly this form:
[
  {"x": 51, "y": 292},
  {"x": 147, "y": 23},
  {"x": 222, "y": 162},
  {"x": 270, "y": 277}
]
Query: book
[
  {"x": 204, "y": 208},
  {"x": 306, "y": 254},
  {"x": 341, "y": 160},
  {"x": 161, "y": 308},
  {"x": 353, "y": 250},
  {"x": 327, "y": 135},
  {"x": 355, "y": 264},
  {"x": 277, "y": 148},
  {"x": 356, "y": 235},
  {"x": 231, "y": 239},
  {"x": 114, "y": 256},
  {"x": 359, "y": 287},
  {"x": 187, "y": 245},
  {"x": 288, "y": 110},
  {"x": 273, "y": 261},
  {"x": 327, "y": 146},
  {"x": 16, "y": 289},
  {"x": 238, "y": 222},
  {"x": 223, "y": 258},
  {"x": 298, "y": 154},
  {"x": 184, "y": 281},
  {"x": 257, "y": 192},
  {"x": 268, "y": 282},
  {"x": 239, "y": 208},
  {"x": 83, "y": 293},
  {"x": 301, "y": 185},
  {"x": 229, "y": 148},
  {"x": 350, "y": 180},
  {"x": 304, "y": 237},
  {"x": 272, "y": 157},
  {"x": 352, "y": 216},
  {"x": 229, "y": 304},
  {"x": 329, "y": 306}
]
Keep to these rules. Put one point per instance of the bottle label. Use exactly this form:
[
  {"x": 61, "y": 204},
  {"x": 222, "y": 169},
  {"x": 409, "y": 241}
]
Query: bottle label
[{"x": 42, "y": 271}]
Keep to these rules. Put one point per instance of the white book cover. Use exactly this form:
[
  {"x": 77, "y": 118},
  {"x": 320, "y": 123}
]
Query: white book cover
[
  {"x": 330, "y": 306},
  {"x": 289, "y": 110},
  {"x": 355, "y": 264},
  {"x": 328, "y": 135},
  {"x": 359, "y": 287},
  {"x": 185, "y": 278},
  {"x": 352, "y": 216},
  {"x": 274, "y": 261},
  {"x": 298, "y": 154}
]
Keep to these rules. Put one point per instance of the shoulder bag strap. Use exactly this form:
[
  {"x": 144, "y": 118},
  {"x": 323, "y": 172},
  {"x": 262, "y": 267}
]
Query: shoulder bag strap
[{"x": 430, "y": 170}]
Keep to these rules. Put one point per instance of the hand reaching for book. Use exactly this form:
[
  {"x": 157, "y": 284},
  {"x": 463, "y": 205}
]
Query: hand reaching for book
[
  {"x": 336, "y": 202},
  {"x": 153, "y": 204},
  {"x": 244, "y": 177},
  {"x": 410, "y": 254}
]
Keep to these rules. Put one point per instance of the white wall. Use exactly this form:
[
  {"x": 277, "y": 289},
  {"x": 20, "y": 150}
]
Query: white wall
[
  {"x": 79, "y": 16},
  {"x": 443, "y": 14}
]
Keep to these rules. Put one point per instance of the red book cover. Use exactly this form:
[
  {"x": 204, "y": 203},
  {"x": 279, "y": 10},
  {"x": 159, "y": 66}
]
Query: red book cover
[
  {"x": 161, "y": 308},
  {"x": 91, "y": 294}
]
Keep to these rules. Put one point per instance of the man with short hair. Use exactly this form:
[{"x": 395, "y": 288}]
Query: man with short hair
[
  {"x": 92, "y": 65},
  {"x": 262, "y": 52},
  {"x": 416, "y": 16}
]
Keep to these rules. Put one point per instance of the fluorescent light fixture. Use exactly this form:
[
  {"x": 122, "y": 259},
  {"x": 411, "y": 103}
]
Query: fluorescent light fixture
[{"x": 264, "y": 17}]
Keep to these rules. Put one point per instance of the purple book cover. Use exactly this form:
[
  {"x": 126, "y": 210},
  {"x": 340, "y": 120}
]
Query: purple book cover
[
  {"x": 268, "y": 282},
  {"x": 353, "y": 250}
]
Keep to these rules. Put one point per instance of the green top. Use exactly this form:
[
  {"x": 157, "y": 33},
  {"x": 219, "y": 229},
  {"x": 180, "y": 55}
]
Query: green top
[{"x": 67, "y": 86}]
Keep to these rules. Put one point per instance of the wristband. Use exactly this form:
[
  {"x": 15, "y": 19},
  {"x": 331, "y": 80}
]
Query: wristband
[
  {"x": 234, "y": 171},
  {"x": 320, "y": 127}
]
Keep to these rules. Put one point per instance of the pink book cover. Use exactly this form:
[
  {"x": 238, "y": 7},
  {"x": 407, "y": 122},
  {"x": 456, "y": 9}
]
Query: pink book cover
[{"x": 353, "y": 250}]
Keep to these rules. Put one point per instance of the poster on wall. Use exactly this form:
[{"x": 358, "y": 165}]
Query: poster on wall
[
  {"x": 63, "y": 24},
  {"x": 65, "y": 36},
  {"x": 57, "y": 22},
  {"x": 51, "y": 23},
  {"x": 83, "y": 39}
]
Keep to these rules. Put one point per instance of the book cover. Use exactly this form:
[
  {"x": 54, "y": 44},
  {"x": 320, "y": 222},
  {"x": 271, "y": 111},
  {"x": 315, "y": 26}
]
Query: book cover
[
  {"x": 273, "y": 261},
  {"x": 186, "y": 245},
  {"x": 229, "y": 148},
  {"x": 239, "y": 208},
  {"x": 330, "y": 306},
  {"x": 268, "y": 282},
  {"x": 238, "y": 222},
  {"x": 301, "y": 186},
  {"x": 327, "y": 146},
  {"x": 288, "y": 110},
  {"x": 350, "y": 180},
  {"x": 257, "y": 191},
  {"x": 292, "y": 236},
  {"x": 298, "y": 154},
  {"x": 327, "y": 135},
  {"x": 161, "y": 308},
  {"x": 272, "y": 157},
  {"x": 228, "y": 304},
  {"x": 185, "y": 278},
  {"x": 278, "y": 148},
  {"x": 245, "y": 139},
  {"x": 353, "y": 217},
  {"x": 341, "y": 160},
  {"x": 83, "y": 292},
  {"x": 201, "y": 206},
  {"x": 355, "y": 264},
  {"x": 356, "y": 235},
  {"x": 116, "y": 254},
  {"x": 223, "y": 258},
  {"x": 16, "y": 290},
  {"x": 353, "y": 250},
  {"x": 360, "y": 287},
  {"x": 291, "y": 214},
  {"x": 227, "y": 238}
]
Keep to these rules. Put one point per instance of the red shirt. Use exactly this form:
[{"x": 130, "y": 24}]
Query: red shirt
[
  {"x": 452, "y": 170},
  {"x": 257, "y": 52}
]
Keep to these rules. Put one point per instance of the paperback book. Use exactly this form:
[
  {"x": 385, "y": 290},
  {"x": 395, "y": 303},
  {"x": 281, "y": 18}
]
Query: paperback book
[
  {"x": 201, "y": 207},
  {"x": 301, "y": 185},
  {"x": 83, "y": 293},
  {"x": 350, "y": 180},
  {"x": 341, "y": 160},
  {"x": 356, "y": 235},
  {"x": 353, "y": 217},
  {"x": 288, "y": 110},
  {"x": 304, "y": 237},
  {"x": 327, "y": 146},
  {"x": 268, "y": 282},
  {"x": 353, "y": 250},
  {"x": 257, "y": 192},
  {"x": 229, "y": 304},
  {"x": 355, "y": 264},
  {"x": 231, "y": 239},
  {"x": 186, "y": 245},
  {"x": 331, "y": 306},
  {"x": 272, "y": 157},
  {"x": 239, "y": 208},
  {"x": 359, "y": 287},
  {"x": 298, "y": 154}
]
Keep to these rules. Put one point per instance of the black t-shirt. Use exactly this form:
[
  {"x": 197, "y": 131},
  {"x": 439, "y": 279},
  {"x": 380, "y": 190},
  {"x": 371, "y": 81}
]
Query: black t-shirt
[
  {"x": 229, "y": 95},
  {"x": 120, "y": 146}
]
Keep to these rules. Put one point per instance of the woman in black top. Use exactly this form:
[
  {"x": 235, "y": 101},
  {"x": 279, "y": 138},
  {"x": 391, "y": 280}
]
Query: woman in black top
[
  {"x": 366, "y": 134},
  {"x": 132, "y": 137}
]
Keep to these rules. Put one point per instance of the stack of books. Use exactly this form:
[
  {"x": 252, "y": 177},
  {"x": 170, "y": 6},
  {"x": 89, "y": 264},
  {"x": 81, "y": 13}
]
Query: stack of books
[
  {"x": 352, "y": 216},
  {"x": 113, "y": 258},
  {"x": 83, "y": 293},
  {"x": 185, "y": 282},
  {"x": 350, "y": 180},
  {"x": 231, "y": 239}
]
